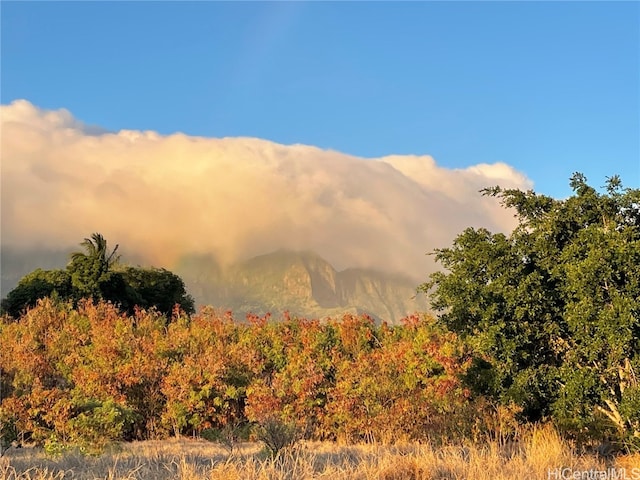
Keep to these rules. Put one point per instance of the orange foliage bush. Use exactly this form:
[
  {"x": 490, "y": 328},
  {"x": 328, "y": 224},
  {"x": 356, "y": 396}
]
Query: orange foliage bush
[{"x": 93, "y": 374}]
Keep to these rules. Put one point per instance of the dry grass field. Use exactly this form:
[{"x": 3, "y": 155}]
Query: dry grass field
[{"x": 541, "y": 454}]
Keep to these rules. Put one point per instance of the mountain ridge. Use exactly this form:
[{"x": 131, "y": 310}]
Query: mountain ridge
[{"x": 302, "y": 283}]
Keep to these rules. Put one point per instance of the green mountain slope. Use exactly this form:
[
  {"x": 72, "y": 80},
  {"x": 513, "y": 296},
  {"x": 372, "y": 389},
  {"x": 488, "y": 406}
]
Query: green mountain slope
[
  {"x": 302, "y": 283},
  {"x": 299, "y": 282}
]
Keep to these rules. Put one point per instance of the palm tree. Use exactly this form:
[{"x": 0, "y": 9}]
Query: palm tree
[
  {"x": 97, "y": 253},
  {"x": 90, "y": 267}
]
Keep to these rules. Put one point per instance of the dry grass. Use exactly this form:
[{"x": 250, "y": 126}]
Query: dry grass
[{"x": 539, "y": 450}]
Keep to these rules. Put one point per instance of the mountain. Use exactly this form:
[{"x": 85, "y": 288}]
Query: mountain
[{"x": 302, "y": 283}]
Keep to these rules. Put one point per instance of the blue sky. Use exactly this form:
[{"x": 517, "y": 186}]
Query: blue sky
[{"x": 547, "y": 87}]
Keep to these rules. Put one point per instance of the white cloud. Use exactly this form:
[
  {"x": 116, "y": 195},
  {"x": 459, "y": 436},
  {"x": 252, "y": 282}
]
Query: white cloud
[{"x": 163, "y": 196}]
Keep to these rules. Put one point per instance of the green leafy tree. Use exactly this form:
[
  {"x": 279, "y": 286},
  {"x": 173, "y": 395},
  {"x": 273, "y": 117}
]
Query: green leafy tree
[
  {"x": 89, "y": 269},
  {"x": 115, "y": 288},
  {"x": 205, "y": 387},
  {"x": 96, "y": 274},
  {"x": 34, "y": 286},
  {"x": 552, "y": 310},
  {"x": 159, "y": 288}
]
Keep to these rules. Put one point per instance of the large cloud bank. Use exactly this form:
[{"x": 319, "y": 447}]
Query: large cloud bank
[{"x": 162, "y": 197}]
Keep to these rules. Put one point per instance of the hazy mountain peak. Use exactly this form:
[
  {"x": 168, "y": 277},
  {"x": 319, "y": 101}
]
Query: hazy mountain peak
[{"x": 303, "y": 283}]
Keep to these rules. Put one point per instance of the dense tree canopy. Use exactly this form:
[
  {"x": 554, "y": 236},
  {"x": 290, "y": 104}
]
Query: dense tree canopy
[
  {"x": 95, "y": 273},
  {"x": 158, "y": 288},
  {"x": 85, "y": 376},
  {"x": 91, "y": 269},
  {"x": 35, "y": 285},
  {"x": 552, "y": 310},
  {"x": 544, "y": 321}
]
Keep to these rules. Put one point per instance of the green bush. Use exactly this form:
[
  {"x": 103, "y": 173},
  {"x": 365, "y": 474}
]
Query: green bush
[{"x": 276, "y": 434}]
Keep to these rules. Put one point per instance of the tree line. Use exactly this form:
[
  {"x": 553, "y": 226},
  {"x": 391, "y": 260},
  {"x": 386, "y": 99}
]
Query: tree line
[
  {"x": 96, "y": 273},
  {"x": 552, "y": 311},
  {"x": 540, "y": 325},
  {"x": 89, "y": 375}
]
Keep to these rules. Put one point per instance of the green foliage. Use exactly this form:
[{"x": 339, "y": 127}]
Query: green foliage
[
  {"x": 8, "y": 432},
  {"x": 277, "y": 434},
  {"x": 158, "y": 288},
  {"x": 54, "y": 447},
  {"x": 89, "y": 269},
  {"x": 229, "y": 435},
  {"x": 91, "y": 426},
  {"x": 114, "y": 287},
  {"x": 34, "y": 286},
  {"x": 552, "y": 311},
  {"x": 97, "y": 423},
  {"x": 95, "y": 274}
]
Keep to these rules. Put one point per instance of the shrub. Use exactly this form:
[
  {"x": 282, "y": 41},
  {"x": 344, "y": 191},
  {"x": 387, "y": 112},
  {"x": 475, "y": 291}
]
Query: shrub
[{"x": 277, "y": 434}]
